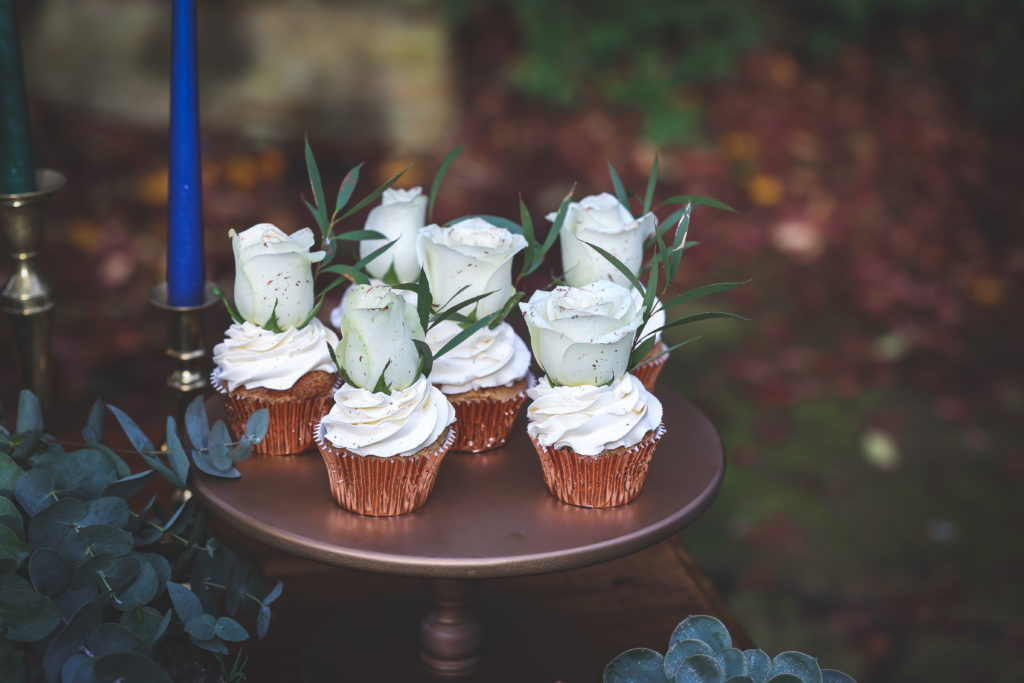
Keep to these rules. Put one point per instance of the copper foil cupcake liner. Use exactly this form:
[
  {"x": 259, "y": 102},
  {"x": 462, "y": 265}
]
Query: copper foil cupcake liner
[
  {"x": 381, "y": 487},
  {"x": 597, "y": 481},
  {"x": 648, "y": 372},
  {"x": 291, "y": 422},
  {"x": 485, "y": 424}
]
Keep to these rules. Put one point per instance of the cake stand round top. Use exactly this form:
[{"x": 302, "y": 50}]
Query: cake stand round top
[{"x": 490, "y": 514}]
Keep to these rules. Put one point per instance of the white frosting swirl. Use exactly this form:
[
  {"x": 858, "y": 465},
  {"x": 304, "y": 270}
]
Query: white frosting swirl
[
  {"x": 592, "y": 419},
  {"x": 399, "y": 425},
  {"x": 488, "y": 358},
  {"x": 251, "y": 356}
]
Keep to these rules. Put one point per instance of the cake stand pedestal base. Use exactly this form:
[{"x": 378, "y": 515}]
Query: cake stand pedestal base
[{"x": 376, "y": 641}]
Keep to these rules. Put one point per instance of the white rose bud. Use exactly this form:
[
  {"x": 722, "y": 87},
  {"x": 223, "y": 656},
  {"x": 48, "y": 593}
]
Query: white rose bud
[
  {"x": 583, "y": 335},
  {"x": 604, "y": 221},
  {"x": 377, "y": 332},
  {"x": 473, "y": 254},
  {"x": 400, "y": 216},
  {"x": 274, "y": 268}
]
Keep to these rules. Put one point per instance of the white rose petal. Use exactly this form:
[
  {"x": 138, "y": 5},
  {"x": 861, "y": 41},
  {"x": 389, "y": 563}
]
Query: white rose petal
[
  {"x": 583, "y": 335},
  {"x": 604, "y": 221},
  {"x": 472, "y": 254},
  {"x": 272, "y": 268},
  {"x": 400, "y": 216},
  {"x": 377, "y": 332}
]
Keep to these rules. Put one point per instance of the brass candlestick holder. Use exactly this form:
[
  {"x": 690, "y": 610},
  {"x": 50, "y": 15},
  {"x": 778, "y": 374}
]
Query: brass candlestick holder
[
  {"x": 186, "y": 345},
  {"x": 26, "y": 298}
]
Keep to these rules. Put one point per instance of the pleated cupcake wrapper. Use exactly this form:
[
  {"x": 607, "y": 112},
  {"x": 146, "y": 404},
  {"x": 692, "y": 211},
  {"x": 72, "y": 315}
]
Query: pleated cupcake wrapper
[
  {"x": 381, "y": 487},
  {"x": 291, "y": 422},
  {"x": 597, "y": 481},
  {"x": 485, "y": 424},
  {"x": 648, "y": 372}
]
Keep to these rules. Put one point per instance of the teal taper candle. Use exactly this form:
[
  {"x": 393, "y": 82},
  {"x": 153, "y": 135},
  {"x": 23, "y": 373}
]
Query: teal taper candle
[{"x": 17, "y": 171}]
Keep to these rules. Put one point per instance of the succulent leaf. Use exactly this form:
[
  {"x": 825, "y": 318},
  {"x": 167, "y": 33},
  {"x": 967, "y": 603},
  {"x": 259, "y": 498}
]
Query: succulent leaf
[
  {"x": 759, "y": 664},
  {"x": 700, "y": 669},
  {"x": 633, "y": 666},
  {"x": 703, "y": 627},
  {"x": 680, "y": 650}
]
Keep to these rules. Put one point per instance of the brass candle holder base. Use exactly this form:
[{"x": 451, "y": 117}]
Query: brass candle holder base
[
  {"x": 186, "y": 345},
  {"x": 26, "y": 298}
]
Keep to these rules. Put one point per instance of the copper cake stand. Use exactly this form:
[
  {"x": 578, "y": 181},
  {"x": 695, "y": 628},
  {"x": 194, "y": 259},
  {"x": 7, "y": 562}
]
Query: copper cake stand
[{"x": 489, "y": 516}]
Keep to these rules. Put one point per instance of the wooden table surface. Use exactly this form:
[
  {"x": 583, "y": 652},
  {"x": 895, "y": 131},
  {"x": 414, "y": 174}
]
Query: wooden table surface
[{"x": 634, "y": 601}]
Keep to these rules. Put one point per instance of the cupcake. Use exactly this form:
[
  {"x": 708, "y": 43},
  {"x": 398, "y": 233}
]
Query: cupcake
[
  {"x": 486, "y": 375},
  {"x": 594, "y": 426},
  {"x": 389, "y": 429},
  {"x": 275, "y": 354}
]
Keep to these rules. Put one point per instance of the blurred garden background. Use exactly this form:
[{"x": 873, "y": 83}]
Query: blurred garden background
[{"x": 871, "y": 409}]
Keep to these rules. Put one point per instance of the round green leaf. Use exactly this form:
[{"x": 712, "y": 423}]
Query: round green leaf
[
  {"x": 732, "y": 661},
  {"x": 632, "y": 666},
  {"x": 186, "y": 603},
  {"x": 263, "y": 621},
  {"x": 109, "y": 510},
  {"x": 49, "y": 571},
  {"x": 9, "y": 473},
  {"x": 14, "y": 582},
  {"x": 128, "y": 667},
  {"x": 97, "y": 539},
  {"x": 10, "y": 516},
  {"x": 71, "y": 666},
  {"x": 13, "y": 551},
  {"x": 700, "y": 669},
  {"x": 759, "y": 664},
  {"x": 27, "y": 616},
  {"x": 52, "y": 527},
  {"x": 798, "y": 664},
  {"x": 702, "y": 627},
  {"x": 84, "y": 474},
  {"x": 33, "y": 489},
  {"x": 679, "y": 651},
  {"x": 30, "y": 413},
  {"x": 215, "y": 645},
  {"x": 228, "y": 629},
  {"x": 85, "y": 574},
  {"x": 201, "y": 626},
  {"x": 256, "y": 426},
  {"x": 144, "y": 587},
  {"x": 109, "y": 638}
]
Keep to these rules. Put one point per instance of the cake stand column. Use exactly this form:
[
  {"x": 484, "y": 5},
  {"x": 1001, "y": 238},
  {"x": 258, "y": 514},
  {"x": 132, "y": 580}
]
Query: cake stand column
[{"x": 451, "y": 633}]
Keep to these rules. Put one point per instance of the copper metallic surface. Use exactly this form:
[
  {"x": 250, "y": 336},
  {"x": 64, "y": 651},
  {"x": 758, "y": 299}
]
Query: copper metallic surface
[
  {"x": 26, "y": 298},
  {"x": 485, "y": 424},
  {"x": 185, "y": 344},
  {"x": 487, "y": 516},
  {"x": 648, "y": 372}
]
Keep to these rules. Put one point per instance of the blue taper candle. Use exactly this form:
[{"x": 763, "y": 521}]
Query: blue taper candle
[
  {"x": 185, "y": 271},
  {"x": 17, "y": 171}
]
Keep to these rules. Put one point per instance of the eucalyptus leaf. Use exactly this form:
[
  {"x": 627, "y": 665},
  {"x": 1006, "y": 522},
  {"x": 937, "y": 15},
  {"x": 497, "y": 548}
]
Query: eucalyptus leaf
[
  {"x": 84, "y": 474},
  {"x": 759, "y": 664},
  {"x": 128, "y": 667},
  {"x": 49, "y": 570},
  {"x": 52, "y": 527},
  {"x": 202, "y": 461},
  {"x": 73, "y": 664},
  {"x": 128, "y": 486},
  {"x": 10, "y": 516},
  {"x": 143, "y": 621},
  {"x": 201, "y": 626},
  {"x": 13, "y": 550},
  {"x": 274, "y": 593},
  {"x": 833, "y": 676},
  {"x": 120, "y": 466},
  {"x": 97, "y": 539},
  {"x": 186, "y": 603},
  {"x": 263, "y": 621},
  {"x": 256, "y": 426},
  {"x": 142, "y": 590},
  {"x": 181, "y": 517},
  {"x": 176, "y": 457},
  {"x": 220, "y": 444},
  {"x": 196, "y": 423},
  {"x": 215, "y": 645},
  {"x": 732, "y": 661},
  {"x": 635, "y": 666},
  {"x": 68, "y": 641},
  {"x": 9, "y": 473},
  {"x": 109, "y": 637},
  {"x": 34, "y": 490},
  {"x": 785, "y": 678},
  {"x": 241, "y": 451},
  {"x": 27, "y": 616},
  {"x": 135, "y": 435},
  {"x": 30, "y": 413},
  {"x": 230, "y": 630},
  {"x": 93, "y": 429}
]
